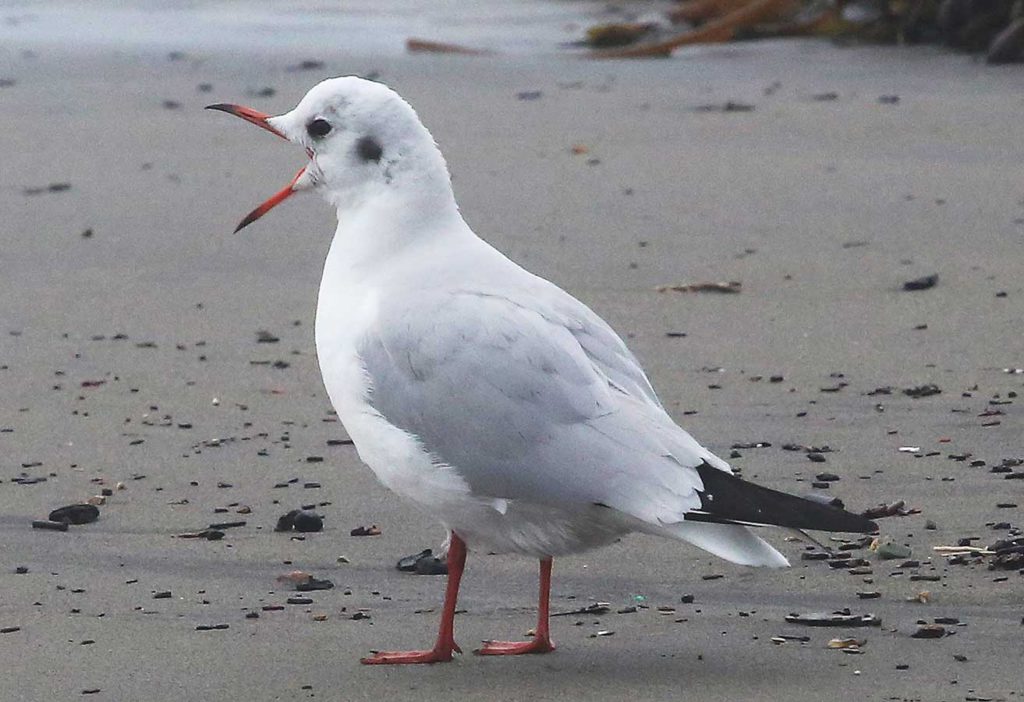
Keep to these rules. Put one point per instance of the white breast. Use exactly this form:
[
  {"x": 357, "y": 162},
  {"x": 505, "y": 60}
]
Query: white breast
[{"x": 346, "y": 313}]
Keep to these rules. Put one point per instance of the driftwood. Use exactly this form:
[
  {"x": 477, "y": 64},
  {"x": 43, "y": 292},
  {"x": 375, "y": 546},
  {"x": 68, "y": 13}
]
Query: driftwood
[
  {"x": 413, "y": 46},
  {"x": 717, "y": 31},
  {"x": 703, "y": 10}
]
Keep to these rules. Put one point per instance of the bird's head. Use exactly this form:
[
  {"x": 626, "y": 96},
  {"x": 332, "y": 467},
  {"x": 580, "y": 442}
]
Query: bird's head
[{"x": 361, "y": 137}]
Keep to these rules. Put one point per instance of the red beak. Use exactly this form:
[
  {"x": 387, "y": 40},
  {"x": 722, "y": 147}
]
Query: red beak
[
  {"x": 271, "y": 202},
  {"x": 260, "y": 120},
  {"x": 249, "y": 115}
]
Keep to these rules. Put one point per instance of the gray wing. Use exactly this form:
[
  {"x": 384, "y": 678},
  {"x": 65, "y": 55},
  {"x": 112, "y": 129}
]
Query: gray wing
[{"x": 533, "y": 399}]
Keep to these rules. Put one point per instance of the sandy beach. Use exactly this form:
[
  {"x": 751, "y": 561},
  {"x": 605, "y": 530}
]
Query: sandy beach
[{"x": 131, "y": 352}]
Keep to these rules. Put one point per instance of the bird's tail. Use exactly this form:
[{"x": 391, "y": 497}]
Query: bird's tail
[
  {"x": 730, "y": 506},
  {"x": 732, "y": 542},
  {"x": 726, "y": 499}
]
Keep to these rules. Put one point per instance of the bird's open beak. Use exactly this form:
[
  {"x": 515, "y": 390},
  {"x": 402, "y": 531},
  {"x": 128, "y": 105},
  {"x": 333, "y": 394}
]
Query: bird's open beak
[{"x": 302, "y": 179}]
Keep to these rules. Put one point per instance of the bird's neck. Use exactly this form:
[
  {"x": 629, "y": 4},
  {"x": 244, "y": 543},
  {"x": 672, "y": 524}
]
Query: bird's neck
[
  {"x": 376, "y": 230},
  {"x": 410, "y": 208}
]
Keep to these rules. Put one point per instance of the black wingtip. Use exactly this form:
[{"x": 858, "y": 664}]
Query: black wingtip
[{"x": 730, "y": 499}]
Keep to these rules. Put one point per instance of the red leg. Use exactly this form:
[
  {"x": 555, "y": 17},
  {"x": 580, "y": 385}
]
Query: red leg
[
  {"x": 541, "y": 642},
  {"x": 445, "y": 644}
]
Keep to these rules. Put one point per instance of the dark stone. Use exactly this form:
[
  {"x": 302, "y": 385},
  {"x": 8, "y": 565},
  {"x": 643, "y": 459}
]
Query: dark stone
[
  {"x": 373, "y": 530},
  {"x": 815, "y": 556},
  {"x": 50, "y": 526},
  {"x": 922, "y": 283},
  {"x": 925, "y": 390},
  {"x": 929, "y": 631},
  {"x": 75, "y": 514},
  {"x": 407, "y": 564},
  {"x": 300, "y": 520},
  {"x": 431, "y": 566},
  {"x": 848, "y": 563},
  {"x": 227, "y": 525},
  {"x": 840, "y": 618},
  {"x": 306, "y": 521},
  {"x": 314, "y": 584},
  {"x": 752, "y": 445},
  {"x": 423, "y": 563},
  {"x": 729, "y": 106},
  {"x": 307, "y": 65}
]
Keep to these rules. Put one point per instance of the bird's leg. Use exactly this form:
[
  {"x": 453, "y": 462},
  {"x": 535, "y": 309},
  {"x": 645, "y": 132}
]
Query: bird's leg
[
  {"x": 541, "y": 642},
  {"x": 445, "y": 645}
]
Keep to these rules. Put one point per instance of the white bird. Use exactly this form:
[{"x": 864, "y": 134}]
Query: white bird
[{"x": 488, "y": 396}]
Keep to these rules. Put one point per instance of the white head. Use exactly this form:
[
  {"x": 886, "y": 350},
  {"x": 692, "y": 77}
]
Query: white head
[{"x": 364, "y": 143}]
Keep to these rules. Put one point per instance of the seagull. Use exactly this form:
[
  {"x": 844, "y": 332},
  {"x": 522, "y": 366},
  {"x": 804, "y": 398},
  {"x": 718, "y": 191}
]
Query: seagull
[{"x": 486, "y": 395}]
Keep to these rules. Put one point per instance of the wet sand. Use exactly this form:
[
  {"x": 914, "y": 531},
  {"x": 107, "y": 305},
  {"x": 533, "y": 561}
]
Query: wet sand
[{"x": 133, "y": 352}]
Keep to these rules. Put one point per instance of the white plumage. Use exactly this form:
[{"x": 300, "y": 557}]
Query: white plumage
[{"x": 490, "y": 397}]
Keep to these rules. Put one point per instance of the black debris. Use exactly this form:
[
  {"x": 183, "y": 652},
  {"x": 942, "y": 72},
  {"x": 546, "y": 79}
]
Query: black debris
[
  {"x": 227, "y": 525},
  {"x": 311, "y": 583},
  {"x": 728, "y": 106},
  {"x": 923, "y": 283},
  {"x": 373, "y": 530},
  {"x": 306, "y": 65},
  {"x": 841, "y": 617},
  {"x": 423, "y": 563},
  {"x": 50, "y": 526},
  {"x": 925, "y": 390}
]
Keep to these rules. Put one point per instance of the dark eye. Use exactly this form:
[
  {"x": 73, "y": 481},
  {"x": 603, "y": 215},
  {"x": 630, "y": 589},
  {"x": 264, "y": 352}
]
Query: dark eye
[{"x": 318, "y": 128}]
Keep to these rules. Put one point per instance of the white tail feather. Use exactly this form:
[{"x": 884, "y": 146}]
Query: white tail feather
[{"x": 729, "y": 541}]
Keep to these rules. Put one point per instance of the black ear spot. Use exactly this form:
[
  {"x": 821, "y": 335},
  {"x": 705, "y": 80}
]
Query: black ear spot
[{"x": 369, "y": 149}]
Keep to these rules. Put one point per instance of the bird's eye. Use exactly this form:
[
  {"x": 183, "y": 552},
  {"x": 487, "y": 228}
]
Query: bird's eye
[{"x": 318, "y": 128}]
